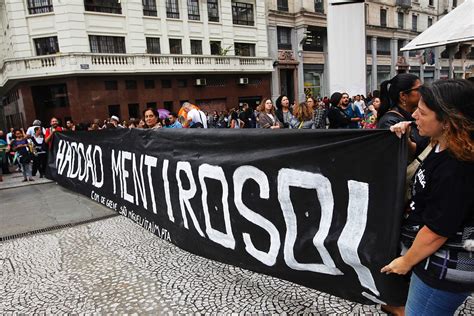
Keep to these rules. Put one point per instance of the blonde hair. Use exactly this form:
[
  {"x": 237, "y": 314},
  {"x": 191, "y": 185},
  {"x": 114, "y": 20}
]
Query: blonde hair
[{"x": 303, "y": 112}]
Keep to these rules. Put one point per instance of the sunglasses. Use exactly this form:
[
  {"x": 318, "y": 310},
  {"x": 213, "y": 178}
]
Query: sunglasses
[{"x": 410, "y": 90}]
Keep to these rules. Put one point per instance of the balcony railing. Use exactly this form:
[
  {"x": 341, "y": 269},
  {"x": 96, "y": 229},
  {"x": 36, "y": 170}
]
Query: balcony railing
[
  {"x": 403, "y": 3},
  {"x": 81, "y": 63}
]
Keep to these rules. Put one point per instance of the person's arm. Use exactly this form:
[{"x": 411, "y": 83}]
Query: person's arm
[
  {"x": 425, "y": 244},
  {"x": 404, "y": 128},
  {"x": 49, "y": 137}
]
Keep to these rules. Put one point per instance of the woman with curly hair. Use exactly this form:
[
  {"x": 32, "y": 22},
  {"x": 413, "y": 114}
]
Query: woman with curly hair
[
  {"x": 267, "y": 117},
  {"x": 302, "y": 116},
  {"x": 438, "y": 233}
]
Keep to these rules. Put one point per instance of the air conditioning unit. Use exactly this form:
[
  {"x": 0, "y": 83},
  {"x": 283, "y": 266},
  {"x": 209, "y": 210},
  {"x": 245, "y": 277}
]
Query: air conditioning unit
[
  {"x": 201, "y": 82},
  {"x": 243, "y": 80}
]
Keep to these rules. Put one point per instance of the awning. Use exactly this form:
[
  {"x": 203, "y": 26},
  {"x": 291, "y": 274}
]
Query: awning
[{"x": 455, "y": 27}]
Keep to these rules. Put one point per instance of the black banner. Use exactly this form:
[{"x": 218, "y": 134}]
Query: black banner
[{"x": 318, "y": 208}]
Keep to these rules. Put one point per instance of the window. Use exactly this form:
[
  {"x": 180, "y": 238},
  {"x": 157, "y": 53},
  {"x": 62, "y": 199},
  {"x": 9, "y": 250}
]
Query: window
[
  {"x": 431, "y": 2},
  {"x": 196, "y": 47},
  {"x": 133, "y": 110},
  {"x": 400, "y": 44},
  {"x": 52, "y": 96},
  {"x": 39, "y": 6},
  {"x": 46, "y": 45},
  {"x": 166, "y": 83},
  {"x": 401, "y": 20},
  {"x": 152, "y": 105},
  {"x": 242, "y": 13},
  {"x": 383, "y": 17},
  {"x": 105, "y": 6},
  {"x": 319, "y": 6},
  {"x": 430, "y": 21},
  {"x": 193, "y": 10},
  {"x": 182, "y": 83},
  {"x": 153, "y": 45},
  {"x": 213, "y": 10},
  {"x": 175, "y": 46},
  {"x": 455, "y": 3},
  {"x": 172, "y": 9},
  {"x": 383, "y": 46},
  {"x": 107, "y": 44},
  {"x": 168, "y": 105},
  {"x": 282, "y": 5},
  {"x": 111, "y": 85},
  {"x": 149, "y": 8},
  {"x": 414, "y": 21},
  {"x": 314, "y": 40},
  {"x": 244, "y": 49},
  {"x": 114, "y": 110},
  {"x": 284, "y": 37},
  {"x": 215, "y": 48},
  {"x": 149, "y": 84},
  {"x": 131, "y": 84}
]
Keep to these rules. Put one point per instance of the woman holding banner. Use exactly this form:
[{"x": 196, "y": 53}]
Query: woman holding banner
[{"x": 438, "y": 233}]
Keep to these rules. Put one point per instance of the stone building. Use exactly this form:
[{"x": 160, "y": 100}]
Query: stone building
[
  {"x": 298, "y": 43},
  {"x": 85, "y": 59}
]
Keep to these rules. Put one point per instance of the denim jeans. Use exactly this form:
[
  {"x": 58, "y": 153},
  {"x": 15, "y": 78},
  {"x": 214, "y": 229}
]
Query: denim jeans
[
  {"x": 26, "y": 169},
  {"x": 424, "y": 300}
]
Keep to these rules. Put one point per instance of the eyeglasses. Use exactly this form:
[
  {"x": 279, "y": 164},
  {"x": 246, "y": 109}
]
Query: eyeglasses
[{"x": 412, "y": 89}]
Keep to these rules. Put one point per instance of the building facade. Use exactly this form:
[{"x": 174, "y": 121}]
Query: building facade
[
  {"x": 298, "y": 43},
  {"x": 85, "y": 59}
]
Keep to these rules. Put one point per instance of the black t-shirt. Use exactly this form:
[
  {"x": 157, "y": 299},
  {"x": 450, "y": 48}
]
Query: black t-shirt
[
  {"x": 338, "y": 118},
  {"x": 443, "y": 200}
]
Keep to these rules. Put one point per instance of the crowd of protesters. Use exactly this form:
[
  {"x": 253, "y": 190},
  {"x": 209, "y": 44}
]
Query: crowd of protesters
[{"x": 438, "y": 120}]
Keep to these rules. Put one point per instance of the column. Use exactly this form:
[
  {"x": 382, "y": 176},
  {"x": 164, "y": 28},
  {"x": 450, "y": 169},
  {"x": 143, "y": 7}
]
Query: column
[
  {"x": 273, "y": 54},
  {"x": 406, "y": 54},
  {"x": 437, "y": 72},
  {"x": 422, "y": 67},
  {"x": 373, "y": 83},
  {"x": 394, "y": 57},
  {"x": 452, "y": 49},
  {"x": 299, "y": 84}
]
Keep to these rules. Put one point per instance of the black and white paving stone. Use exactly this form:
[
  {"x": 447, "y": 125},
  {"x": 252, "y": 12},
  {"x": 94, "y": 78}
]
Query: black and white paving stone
[{"x": 114, "y": 266}]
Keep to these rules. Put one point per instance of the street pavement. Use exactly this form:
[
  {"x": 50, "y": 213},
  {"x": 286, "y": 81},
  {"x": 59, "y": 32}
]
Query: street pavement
[{"x": 114, "y": 266}]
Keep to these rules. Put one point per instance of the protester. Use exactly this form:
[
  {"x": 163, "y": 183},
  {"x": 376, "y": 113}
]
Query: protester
[
  {"x": 235, "y": 122},
  {"x": 152, "y": 116},
  {"x": 399, "y": 98},
  {"x": 30, "y": 132},
  {"x": 141, "y": 124},
  {"x": 283, "y": 111},
  {"x": 40, "y": 158},
  {"x": 195, "y": 118},
  {"x": 95, "y": 126},
  {"x": 439, "y": 226},
  {"x": 214, "y": 120},
  {"x": 173, "y": 121},
  {"x": 115, "y": 121},
  {"x": 370, "y": 118},
  {"x": 266, "y": 116},
  {"x": 341, "y": 114},
  {"x": 223, "y": 120},
  {"x": 359, "y": 103},
  {"x": 319, "y": 112},
  {"x": 21, "y": 147},
  {"x": 70, "y": 126},
  {"x": 49, "y": 133},
  {"x": 302, "y": 117},
  {"x": 3, "y": 155},
  {"x": 247, "y": 116}
]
